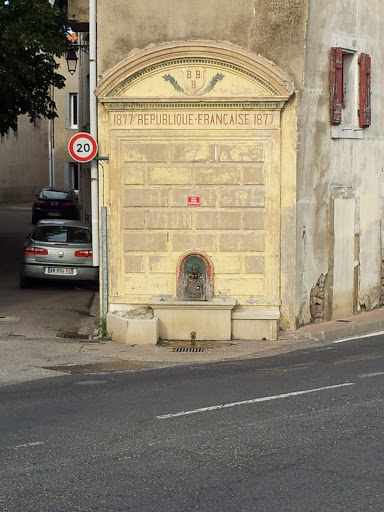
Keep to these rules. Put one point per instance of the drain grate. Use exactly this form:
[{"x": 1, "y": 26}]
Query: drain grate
[
  {"x": 188, "y": 349},
  {"x": 196, "y": 346}
]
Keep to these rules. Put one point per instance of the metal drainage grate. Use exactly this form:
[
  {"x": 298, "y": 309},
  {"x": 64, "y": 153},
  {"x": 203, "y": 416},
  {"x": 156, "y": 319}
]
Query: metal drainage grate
[{"x": 188, "y": 349}]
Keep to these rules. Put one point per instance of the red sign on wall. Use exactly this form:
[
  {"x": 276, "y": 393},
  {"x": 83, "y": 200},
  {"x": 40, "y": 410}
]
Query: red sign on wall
[{"x": 193, "y": 201}]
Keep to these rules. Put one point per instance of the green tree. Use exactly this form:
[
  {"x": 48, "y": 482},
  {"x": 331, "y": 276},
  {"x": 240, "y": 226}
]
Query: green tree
[{"x": 32, "y": 37}]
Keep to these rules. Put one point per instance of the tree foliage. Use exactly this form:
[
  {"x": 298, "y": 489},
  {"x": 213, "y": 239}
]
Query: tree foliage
[{"x": 32, "y": 37}]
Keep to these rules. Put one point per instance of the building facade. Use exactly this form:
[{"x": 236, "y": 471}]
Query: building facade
[
  {"x": 24, "y": 157},
  {"x": 36, "y": 155},
  {"x": 243, "y": 186}
]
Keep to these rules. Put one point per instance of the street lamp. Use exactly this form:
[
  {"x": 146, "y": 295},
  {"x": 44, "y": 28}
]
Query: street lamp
[
  {"x": 72, "y": 57},
  {"x": 72, "y": 60}
]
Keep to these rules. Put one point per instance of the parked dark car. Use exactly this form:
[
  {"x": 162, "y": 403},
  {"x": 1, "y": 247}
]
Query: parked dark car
[
  {"x": 58, "y": 249},
  {"x": 56, "y": 203}
]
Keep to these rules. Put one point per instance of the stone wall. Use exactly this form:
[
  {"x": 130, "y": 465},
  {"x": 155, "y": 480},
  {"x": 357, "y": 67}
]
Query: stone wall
[{"x": 229, "y": 225}]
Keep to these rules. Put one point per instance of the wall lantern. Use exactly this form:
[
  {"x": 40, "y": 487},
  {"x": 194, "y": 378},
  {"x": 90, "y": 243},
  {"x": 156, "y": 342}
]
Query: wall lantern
[
  {"x": 72, "y": 60},
  {"x": 72, "y": 57}
]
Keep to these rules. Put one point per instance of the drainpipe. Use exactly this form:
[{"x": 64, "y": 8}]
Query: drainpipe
[
  {"x": 51, "y": 147},
  {"x": 50, "y": 153},
  {"x": 93, "y": 131}
]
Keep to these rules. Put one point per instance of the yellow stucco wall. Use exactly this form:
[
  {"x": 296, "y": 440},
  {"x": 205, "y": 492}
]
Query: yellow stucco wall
[{"x": 218, "y": 139}]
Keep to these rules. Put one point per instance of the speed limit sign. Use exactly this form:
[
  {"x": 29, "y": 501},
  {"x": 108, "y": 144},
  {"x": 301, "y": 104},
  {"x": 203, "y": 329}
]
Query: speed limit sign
[{"x": 82, "y": 147}]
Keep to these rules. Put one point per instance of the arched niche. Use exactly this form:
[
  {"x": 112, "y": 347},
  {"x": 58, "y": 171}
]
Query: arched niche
[{"x": 194, "y": 276}]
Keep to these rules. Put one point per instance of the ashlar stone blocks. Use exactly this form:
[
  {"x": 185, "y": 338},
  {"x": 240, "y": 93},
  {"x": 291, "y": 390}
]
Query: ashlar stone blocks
[
  {"x": 137, "y": 331},
  {"x": 208, "y": 320}
]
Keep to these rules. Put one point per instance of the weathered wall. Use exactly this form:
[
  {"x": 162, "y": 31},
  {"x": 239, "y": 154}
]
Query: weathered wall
[
  {"x": 166, "y": 146},
  {"x": 25, "y": 155},
  {"x": 24, "y": 161},
  {"x": 274, "y": 29},
  {"x": 78, "y": 10},
  {"x": 336, "y": 176},
  {"x": 62, "y": 133},
  {"x": 332, "y": 166}
]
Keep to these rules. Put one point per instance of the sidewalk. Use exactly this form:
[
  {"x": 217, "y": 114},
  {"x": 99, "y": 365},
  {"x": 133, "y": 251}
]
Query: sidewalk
[
  {"x": 29, "y": 359},
  {"x": 311, "y": 335}
]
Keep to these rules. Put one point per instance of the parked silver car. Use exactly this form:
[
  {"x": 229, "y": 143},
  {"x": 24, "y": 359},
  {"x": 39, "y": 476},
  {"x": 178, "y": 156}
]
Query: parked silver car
[{"x": 58, "y": 249}]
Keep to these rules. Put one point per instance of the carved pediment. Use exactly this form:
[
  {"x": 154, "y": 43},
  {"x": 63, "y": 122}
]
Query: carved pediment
[{"x": 195, "y": 72}]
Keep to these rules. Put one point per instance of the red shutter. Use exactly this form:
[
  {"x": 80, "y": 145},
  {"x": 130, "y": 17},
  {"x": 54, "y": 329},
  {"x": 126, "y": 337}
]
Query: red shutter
[
  {"x": 365, "y": 91},
  {"x": 336, "y": 85}
]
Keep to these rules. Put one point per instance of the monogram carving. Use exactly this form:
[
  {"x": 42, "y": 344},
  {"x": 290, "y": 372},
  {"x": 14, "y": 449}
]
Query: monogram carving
[{"x": 194, "y": 81}]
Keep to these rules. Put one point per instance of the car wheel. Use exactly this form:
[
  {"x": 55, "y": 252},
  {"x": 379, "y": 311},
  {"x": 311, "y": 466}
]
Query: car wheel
[
  {"x": 25, "y": 282},
  {"x": 34, "y": 219}
]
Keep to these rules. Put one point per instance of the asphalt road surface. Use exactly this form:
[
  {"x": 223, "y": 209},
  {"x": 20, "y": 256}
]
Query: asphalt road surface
[{"x": 300, "y": 432}]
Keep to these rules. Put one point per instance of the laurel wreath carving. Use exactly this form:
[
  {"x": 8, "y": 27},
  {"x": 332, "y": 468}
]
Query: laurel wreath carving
[
  {"x": 174, "y": 82},
  {"x": 213, "y": 82}
]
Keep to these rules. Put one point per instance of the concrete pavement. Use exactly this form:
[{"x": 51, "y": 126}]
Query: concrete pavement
[
  {"x": 27, "y": 359},
  {"x": 174, "y": 353}
]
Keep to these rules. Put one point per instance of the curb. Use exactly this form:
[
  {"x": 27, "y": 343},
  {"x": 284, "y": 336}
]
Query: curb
[
  {"x": 90, "y": 323},
  {"x": 337, "y": 332},
  {"x": 326, "y": 332}
]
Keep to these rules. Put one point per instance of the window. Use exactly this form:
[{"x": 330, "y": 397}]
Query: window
[
  {"x": 61, "y": 195},
  {"x": 350, "y": 90},
  {"x": 63, "y": 234},
  {"x": 72, "y": 110}
]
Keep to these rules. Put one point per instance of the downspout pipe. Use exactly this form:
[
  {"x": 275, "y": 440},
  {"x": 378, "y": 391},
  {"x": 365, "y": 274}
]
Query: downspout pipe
[
  {"x": 93, "y": 131},
  {"x": 51, "y": 147}
]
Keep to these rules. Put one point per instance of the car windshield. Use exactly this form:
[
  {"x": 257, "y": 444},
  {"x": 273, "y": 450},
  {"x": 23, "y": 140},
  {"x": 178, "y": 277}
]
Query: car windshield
[
  {"x": 55, "y": 194},
  {"x": 62, "y": 234}
]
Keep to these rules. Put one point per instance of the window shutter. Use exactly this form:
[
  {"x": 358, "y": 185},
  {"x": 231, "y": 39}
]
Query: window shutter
[
  {"x": 336, "y": 85},
  {"x": 365, "y": 91},
  {"x": 67, "y": 111}
]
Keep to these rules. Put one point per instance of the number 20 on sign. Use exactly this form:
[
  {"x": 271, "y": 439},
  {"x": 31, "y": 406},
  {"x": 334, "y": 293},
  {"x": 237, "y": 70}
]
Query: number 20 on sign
[{"x": 82, "y": 147}]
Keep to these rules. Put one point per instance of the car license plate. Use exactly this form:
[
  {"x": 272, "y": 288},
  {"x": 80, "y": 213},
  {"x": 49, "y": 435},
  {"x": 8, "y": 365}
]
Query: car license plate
[
  {"x": 53, "y": 214},
  {"x": 60, "y": 271}
]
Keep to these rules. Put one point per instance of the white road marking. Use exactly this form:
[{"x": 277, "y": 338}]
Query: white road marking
[
  {"x": 252, "y": 401},
  {"x": 367, "y": 375},
  {"x": 27, "y": 445},
  {"x": 371, "y": 335}
]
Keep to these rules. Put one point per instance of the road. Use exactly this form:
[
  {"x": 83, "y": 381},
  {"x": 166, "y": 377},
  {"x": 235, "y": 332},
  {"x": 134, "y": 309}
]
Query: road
[
  {"x": 300, "y": 432},
  {"x": 44, "y": 310}
]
